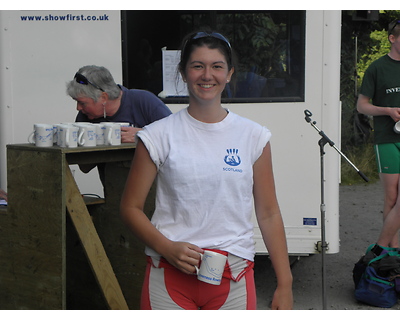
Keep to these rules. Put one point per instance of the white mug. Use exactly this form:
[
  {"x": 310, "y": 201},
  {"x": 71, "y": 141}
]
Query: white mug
[
  {"x": 112, "y": 135},
  {"x": 396, "y": 127},
  {"x": 100, "y": 133},
  {"x": 67, "y": 136},
  {"x": 124, "y": 124},
  {"x": 42, "y": 135},
  {"x": 58, "y": 125},
  {"x": 86, "y": 134},
  {"x": 211, "y": 267},
  {"x": 55, "y": 136}
]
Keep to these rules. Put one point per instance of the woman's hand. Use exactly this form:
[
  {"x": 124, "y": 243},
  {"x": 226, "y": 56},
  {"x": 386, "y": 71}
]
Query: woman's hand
[
  {"x": 128, "y": 134},
  {"x": 183, "y": 255},
  {"x": 282, "y": 299}
]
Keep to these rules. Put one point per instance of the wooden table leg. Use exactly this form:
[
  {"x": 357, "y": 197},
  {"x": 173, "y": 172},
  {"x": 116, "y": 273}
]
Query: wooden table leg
[{"x": 92, "y": 245}]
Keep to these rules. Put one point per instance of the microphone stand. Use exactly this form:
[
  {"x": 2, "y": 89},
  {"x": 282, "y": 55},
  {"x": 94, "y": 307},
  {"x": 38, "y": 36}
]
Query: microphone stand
[{"x": 322, "y": 142}]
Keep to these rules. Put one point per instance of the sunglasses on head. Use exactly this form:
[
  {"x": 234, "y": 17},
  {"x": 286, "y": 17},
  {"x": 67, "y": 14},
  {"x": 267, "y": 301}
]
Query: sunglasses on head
[
  {"x": 394, "y": 26},
  {"x": 203, "y": 34},
  {"x": 80, "y": 78},
  {"x": 216, "y": 35}
]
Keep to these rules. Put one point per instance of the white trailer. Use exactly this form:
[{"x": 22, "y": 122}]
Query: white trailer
[{"x": 37, "y": 58}]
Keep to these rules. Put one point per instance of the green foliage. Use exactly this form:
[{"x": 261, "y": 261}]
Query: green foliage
[
  {"x": 380, "y": 46},
  {"x": 265, "y": 49}
]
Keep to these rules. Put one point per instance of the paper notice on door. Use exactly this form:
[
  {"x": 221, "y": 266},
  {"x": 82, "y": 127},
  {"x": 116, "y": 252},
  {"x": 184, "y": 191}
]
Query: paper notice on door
[{"x": 173, "y": 85}]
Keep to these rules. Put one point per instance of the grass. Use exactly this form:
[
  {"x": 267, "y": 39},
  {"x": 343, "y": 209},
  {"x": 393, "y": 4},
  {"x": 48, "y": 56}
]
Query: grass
[{"x": 363, "y": 157}]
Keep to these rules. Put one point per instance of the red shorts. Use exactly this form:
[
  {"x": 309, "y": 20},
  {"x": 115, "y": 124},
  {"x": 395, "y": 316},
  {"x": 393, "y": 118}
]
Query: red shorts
[{"x": 167, "y": 288}]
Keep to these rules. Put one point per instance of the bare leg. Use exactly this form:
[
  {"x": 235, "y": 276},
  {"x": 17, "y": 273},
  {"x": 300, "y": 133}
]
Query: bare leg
[{"x": 391, "y": 211}]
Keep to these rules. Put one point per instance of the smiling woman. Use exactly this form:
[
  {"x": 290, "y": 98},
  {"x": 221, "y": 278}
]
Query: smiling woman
[
  {"x": 206, "y": 66},
  {"x": 207, "y": 74},
  {"x": 200, "y": 188}
]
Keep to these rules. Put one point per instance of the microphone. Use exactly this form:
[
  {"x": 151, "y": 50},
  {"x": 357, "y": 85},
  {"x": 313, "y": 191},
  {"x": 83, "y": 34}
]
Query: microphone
[
  {"x": 308, "y": 115},
  {"x": 325, "y": 140}
]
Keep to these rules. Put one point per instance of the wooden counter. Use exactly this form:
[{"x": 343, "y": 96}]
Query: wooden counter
[{"x": 36, "y": 241}]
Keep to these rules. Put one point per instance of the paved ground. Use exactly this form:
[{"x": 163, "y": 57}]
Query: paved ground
[{"x": 360, "y": 223}]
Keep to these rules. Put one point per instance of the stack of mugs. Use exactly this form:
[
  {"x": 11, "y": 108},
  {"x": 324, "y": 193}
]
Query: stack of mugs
[{"x": 71, "y": 135}]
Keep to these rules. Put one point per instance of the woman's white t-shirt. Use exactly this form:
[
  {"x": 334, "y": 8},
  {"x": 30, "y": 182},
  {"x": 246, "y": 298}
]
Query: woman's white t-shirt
[{"x": 205, "y": 180}]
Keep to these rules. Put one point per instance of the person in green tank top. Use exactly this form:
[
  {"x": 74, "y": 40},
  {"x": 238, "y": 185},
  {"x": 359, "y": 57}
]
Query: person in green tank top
[{"x": 380, "y": 97}]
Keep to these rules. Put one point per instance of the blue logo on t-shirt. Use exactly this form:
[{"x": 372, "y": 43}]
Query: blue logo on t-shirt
[{"x": 232, "y": 158}]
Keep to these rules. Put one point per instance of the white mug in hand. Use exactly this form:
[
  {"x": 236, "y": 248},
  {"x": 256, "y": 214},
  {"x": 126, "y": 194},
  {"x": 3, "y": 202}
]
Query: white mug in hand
[
  {"x": 42, "y": 135},
  {"x": 211, "y": 267}
]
